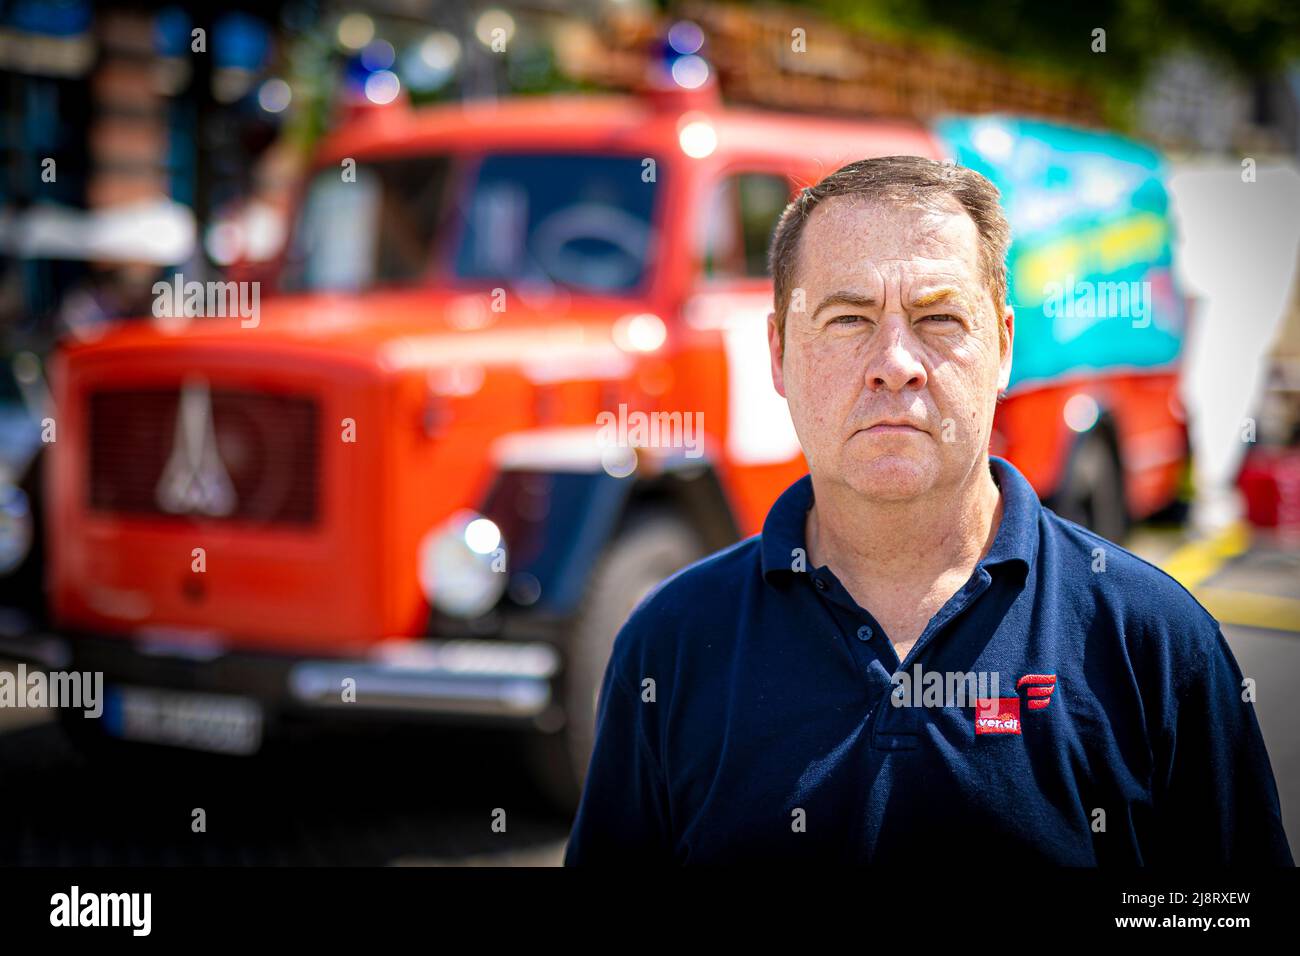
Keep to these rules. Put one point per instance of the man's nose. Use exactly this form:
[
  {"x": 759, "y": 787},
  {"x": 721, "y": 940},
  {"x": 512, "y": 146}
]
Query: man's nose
[{"x": 894, "y": 363}]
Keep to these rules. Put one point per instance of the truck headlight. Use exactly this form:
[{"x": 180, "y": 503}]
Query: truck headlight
[
  {"x": 463, "y": 565},
  {"x": 15, "y": 527}
]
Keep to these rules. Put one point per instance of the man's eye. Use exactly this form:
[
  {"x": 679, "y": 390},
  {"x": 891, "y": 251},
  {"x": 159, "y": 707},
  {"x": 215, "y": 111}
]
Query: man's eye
[
  {"x": 847, "y": 319},
  {"x": 941, "y": 318}
]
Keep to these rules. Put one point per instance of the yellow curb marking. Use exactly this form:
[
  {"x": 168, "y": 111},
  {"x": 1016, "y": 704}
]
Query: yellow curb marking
[
  {"x": 1196, "y": 562},
  {"x": 1251, "y": 610}
]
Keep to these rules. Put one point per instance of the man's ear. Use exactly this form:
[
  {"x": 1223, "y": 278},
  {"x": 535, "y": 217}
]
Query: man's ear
[
  {"x": 776, "y": 348},
  {"x": 1008, "y": 320}
]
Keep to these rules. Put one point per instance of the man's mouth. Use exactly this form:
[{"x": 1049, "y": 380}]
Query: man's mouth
[{"x": 891, "y": 426}]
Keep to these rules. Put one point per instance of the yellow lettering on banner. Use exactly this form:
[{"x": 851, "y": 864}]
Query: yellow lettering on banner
[{"x": 1095, "y": 252}]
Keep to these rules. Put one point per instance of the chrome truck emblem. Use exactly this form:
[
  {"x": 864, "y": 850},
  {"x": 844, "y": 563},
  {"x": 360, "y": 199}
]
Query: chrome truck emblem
[{"x": 194, "y": 478}]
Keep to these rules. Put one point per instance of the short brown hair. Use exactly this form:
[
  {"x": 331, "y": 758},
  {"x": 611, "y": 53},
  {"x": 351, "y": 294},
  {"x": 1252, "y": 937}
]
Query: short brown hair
[{"x": 908, "y": 181}]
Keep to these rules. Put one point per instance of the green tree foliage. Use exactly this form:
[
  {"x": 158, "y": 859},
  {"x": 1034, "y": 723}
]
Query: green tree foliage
[{"x": 1257, "y": 37}]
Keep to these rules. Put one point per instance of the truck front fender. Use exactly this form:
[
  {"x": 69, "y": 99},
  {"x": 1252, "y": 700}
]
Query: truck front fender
[{"x": 558, "y": 513}]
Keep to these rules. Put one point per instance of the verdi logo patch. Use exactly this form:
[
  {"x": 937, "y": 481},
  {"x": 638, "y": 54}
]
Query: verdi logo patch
[{"x": 997, "y": 715}]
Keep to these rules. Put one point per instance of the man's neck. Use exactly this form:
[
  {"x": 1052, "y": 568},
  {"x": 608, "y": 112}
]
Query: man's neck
[{"x": 903, "y": 545}]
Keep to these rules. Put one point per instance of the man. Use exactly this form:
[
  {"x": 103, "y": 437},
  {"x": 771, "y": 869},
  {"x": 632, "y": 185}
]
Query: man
[{"x": 1091, "y": 712}]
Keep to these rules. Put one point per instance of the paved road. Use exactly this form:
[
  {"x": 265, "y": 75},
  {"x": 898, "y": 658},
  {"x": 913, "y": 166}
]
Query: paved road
[
  {"x": 1272, "y": 658},
  {"x": 421, "y": 798},
  {"x": 1263, "y": 587},
  {"x": 333, "y": 799}
]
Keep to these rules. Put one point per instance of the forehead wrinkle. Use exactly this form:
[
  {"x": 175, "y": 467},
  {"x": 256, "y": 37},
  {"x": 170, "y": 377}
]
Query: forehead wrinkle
[
  {"x": 854, "y": 253},
  {"x": 923, "y": 248}
]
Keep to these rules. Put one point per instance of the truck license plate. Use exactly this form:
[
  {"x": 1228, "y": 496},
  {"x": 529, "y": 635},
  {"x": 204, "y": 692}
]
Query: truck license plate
[{"x": 212, "y": 722}]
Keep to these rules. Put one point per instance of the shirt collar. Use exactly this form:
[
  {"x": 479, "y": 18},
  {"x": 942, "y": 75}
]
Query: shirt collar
[{"x": 784, "y": 547}]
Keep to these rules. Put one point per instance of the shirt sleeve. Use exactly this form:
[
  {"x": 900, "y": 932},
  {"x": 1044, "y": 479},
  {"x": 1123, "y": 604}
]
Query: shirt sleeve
[
  {"x": 622, "y": 817},
  {"x": 1218, "y": 804}
]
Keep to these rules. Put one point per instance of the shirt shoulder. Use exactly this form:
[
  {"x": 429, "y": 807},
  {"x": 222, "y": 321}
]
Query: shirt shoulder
[{"x": 1152, "y": 611}]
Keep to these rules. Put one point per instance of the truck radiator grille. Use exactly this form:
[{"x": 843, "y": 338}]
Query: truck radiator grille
[{"x": 212, "y": 453}]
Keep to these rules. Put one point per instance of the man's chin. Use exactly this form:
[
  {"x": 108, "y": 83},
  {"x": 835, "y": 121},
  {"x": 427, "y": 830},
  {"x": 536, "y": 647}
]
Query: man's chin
[{"x": 891, "y": 477}]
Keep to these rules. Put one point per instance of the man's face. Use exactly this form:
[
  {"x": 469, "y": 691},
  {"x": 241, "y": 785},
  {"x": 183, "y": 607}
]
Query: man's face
[{"x": 893, "y": 367}]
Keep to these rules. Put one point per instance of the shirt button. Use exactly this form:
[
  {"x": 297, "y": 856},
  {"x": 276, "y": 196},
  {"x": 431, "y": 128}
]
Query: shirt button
[
  {"x": 821, "y": 585},
  {"x": 864, "y": 633}
]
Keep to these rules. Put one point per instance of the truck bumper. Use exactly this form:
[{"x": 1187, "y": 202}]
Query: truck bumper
[{"x": 490, "y": 682}]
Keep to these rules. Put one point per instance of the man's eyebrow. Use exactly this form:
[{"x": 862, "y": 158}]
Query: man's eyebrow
[
  {"x": 844, "y": 298},
  {"x": 938, "y": 295}
]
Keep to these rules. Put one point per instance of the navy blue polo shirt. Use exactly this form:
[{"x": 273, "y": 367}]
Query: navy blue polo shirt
[{"x": 749, "y": 713}]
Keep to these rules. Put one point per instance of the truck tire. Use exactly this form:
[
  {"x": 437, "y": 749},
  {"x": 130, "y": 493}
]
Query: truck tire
[
  {"x": 653, "y": 545},
  {"x": 1092, "y": 490}
]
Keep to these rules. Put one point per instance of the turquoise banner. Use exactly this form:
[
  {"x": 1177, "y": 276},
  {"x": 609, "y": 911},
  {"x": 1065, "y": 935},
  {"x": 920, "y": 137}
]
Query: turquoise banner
[{"x": 1090, "y": 266}]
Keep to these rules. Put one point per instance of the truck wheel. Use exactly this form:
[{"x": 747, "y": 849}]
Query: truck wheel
[
  {"x": 1092, "y": 492},
  {"x": 652, "y": 546}
]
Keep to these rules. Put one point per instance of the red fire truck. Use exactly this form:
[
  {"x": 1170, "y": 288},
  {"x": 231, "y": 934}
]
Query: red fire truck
[{"x": 390, "y": 489}]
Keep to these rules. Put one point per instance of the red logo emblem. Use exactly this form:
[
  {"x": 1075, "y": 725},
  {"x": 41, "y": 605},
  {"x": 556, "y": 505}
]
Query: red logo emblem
[
  {"x": 997, "y": 715},
  {"x": 1040, "y": 689}
]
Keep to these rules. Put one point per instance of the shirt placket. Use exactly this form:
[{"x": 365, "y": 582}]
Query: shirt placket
[
  {"x": 901, "y": 728},
  {"x": 975, "y": 586},
  {"x": 859, "y": 631},
  {"x": 874, "y": 654}
]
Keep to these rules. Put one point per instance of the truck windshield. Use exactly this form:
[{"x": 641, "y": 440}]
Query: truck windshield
[{"x": 580, "y": 221}]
